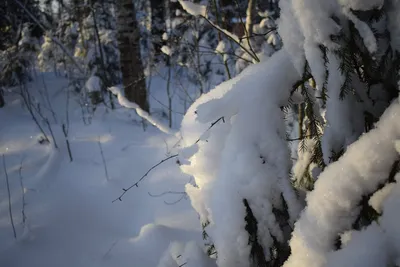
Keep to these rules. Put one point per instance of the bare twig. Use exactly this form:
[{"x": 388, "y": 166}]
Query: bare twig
[
  {"x": 9, "y": 197},
  {"x": 65, "y": 131},
  {"x": 176, "y": 201},
  {"x": 137, "y": 183},
  {"x": 103, "y": 159},
  {"x": 182, "y": 196},
  {"x": 300, "y": 138},
  {"x": 162, "y": 161},
  {"x": 47, "y": 97},
  {"x": 164, "y": 105},
  {"x": 110, "y": 249},
  {"x": 166, "y": 193},
  {"x": 27, "y": 100},
  {"x": 253, "y": 55},
  {"x": 212, "y": 125}
]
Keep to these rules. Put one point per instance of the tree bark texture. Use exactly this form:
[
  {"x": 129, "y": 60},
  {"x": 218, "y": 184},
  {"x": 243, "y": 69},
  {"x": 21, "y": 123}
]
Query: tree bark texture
[{"x": 133, "y": 77}]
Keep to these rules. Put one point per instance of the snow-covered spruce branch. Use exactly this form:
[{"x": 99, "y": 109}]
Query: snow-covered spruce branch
[
  {"x": 123, "y": 101},
  {"x": 246, "y": 158},
  {"x": 332, "y": 206}
]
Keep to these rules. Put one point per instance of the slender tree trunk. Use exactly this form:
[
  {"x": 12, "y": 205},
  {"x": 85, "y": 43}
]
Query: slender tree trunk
[
  {"x": 157, "y": 24},
  {"x": 133, "y": 77},
  {"x": 2, "y": 102},
  {"x": 250, "y": 17}
]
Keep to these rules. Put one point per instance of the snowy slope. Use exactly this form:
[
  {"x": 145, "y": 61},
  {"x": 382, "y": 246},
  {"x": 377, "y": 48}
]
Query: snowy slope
[{"x": 71, "y": 220}]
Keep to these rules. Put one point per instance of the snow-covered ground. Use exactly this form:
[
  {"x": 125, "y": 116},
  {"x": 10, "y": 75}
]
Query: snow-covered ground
[{"x": 70, "y": 217}]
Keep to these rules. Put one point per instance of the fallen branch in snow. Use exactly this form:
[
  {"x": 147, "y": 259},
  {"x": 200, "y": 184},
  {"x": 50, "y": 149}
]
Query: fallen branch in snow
[
  {"x": 123, "y": 101},
  {"x": 137, "y": 183},
  {"x": 9, "y": 197}
]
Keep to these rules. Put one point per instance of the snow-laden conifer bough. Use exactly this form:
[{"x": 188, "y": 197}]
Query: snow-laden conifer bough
[{"x": 243, "y": 192}]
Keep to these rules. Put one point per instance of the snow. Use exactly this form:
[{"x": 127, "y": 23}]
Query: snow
[
  {"x": 377, "y": 199},
  {"x": 193, "y": 8},
  {"x": 71, "y": 220},
  {"x": 189, "y": 254},
  {"x": 231, "y": 155},
  {"x": 366, "y": 248},
  {"x": 166, "y": 50},
  {"x": 93, "y": 84},
  {"x": 389, "y": 223},
  {"x": 245, "y": 157},
  {"x": 332, "y": 205},
  {"x": 365, "y": 32}
]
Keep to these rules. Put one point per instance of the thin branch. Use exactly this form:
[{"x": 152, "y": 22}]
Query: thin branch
[
  {"x": 27, "y": 100},
  {"x": 65, "y": 131},
  {"x": 103, "y": 159},
  {"x": 299, "y": 138},
  {"x": 212, "y": 125},
  {"x": 23, "y": 193},
  {"x": 258, "y": 34},
  {"x": 9, "y": 197},
  {"x": 162, "y": 104},
  {"x": 248, "y": 30},
  {"x": 166, "y": 193},
  {"x": 137, "y": 183},
  {"x": 176, "y": 201},
  {"x": 254, "y": 56}
]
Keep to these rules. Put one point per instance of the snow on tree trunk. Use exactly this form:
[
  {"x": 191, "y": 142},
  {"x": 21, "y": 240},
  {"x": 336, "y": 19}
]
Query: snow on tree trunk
[{"x": 134, "y": 80}]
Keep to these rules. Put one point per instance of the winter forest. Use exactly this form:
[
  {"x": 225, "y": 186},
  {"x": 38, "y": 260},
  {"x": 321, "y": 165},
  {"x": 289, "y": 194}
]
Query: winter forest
[{"x": 199, "y": 133}]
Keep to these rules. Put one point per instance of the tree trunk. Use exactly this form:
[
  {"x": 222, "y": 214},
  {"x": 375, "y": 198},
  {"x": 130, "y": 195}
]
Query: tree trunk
[
  {"x": 157, "y": 24},
  {"x": 133, "y": 77},
  {"x": 250, "y": 17},
  {"x": 2, "y": 102}
]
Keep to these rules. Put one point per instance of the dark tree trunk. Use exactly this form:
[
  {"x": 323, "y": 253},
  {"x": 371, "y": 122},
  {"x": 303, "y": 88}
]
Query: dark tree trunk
[
  {"x": 157, "y": 24},
  {"x": 133, "y": 77},
  {"x": 2, "y": 102}
]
